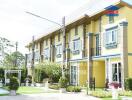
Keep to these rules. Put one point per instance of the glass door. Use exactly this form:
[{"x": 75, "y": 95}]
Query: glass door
[
  {"x": 73, "y": 75},
  {"x": 116, "y": 72}
]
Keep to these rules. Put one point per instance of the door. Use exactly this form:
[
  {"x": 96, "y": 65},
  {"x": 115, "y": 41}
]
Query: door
[
  {"x": 74, "y": 75},
  {"x": 116, "y": 72}
]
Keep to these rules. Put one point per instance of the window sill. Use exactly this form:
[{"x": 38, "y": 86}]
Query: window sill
[
  {"x": 76, "y": 52},
  {"x": 58, "y": 55},
  {"x": 111, "y": 45}
]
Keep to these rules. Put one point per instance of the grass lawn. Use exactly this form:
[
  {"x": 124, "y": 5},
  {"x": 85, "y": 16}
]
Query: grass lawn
[
  {"x": 32, "y": 90},
  {"x": 29, "y": 90},
  {"x": 105, "y": 95},
  {"x": 4, "y": 94}
]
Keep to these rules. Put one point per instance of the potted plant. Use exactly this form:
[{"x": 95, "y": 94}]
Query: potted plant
[
  {"x": 13, "y": 86},
  {"x": 115, "y": 86},
  {"x": 63, "y": 84}
]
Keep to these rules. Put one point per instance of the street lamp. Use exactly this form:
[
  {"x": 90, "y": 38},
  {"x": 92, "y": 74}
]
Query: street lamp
[{"x": 64, "y": 41}]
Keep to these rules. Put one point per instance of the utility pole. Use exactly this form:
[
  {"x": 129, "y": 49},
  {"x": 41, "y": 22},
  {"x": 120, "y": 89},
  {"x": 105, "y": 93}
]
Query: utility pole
[
  {"x": 32, "y": 64},
  {"x": 64, "y": 46}
]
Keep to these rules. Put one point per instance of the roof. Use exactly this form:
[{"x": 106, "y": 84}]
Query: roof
[{"x": 90, "y": 9}]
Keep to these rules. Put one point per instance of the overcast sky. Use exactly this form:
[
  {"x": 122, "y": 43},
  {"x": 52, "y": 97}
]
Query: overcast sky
[{"x": 16, "y": 25}]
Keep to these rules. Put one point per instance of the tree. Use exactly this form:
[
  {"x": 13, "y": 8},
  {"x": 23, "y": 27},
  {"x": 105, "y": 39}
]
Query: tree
[
  {"x": 15, "y": 59},
  {"x": 48, "y": 69}
]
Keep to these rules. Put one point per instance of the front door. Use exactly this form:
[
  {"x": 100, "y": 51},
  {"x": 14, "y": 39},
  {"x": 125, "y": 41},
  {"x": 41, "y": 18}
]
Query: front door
[
  {"x": 116, "y": 72},
  {"x": 74, "y": 75}
]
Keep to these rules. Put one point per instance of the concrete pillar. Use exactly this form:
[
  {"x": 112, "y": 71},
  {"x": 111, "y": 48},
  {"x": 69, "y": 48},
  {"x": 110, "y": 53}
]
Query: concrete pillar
[
  {"x": 106, "y": 68},
  {"x": 124, "y": 51},
  {"x": 90, "y": 62}
]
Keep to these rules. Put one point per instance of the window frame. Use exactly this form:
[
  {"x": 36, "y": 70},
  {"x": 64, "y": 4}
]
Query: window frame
[
  {"x": 111, "y": 37},
  {"x": 46, "y": 55},
  {"x": 58, "y": 50},
  {"x": 76, "y": 30},
  {"x": 111, "y": 19}
]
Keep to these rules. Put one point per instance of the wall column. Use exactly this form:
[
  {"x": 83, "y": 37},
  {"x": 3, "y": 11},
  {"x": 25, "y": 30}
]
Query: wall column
[
  {"x": 124, "y": 51},
  {"x": 90, "y": 62}
]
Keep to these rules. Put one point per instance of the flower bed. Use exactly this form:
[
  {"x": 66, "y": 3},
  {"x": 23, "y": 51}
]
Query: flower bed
[{"x": 101, "y": 94}]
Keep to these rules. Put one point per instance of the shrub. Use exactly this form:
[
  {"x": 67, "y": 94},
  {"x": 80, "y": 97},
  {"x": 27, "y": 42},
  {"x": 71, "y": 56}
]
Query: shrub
[
  {"x": 101, "y": 94},
  {"x": 54, "y": 86},
  {"x": 2, "y": 74},
  {"x": 23, "y": 74},
  {"x": 73, "y": 89},
  {"x": 63, "y": 82},
  {"x": 115, "y": 85},
  {"x": 48, "y": 70},
  {"x": 14, "y": 84},
  {"x": 125, "y": 93},
  {"x": 128, "y": 84}
]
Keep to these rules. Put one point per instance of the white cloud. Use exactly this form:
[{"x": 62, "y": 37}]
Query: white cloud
[{"x": 17, "y": 25}]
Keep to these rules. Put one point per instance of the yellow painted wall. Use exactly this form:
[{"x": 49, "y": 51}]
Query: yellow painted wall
[
  {"x": 99, "y": 73},
  {"x": 123, "y": 13},
  {"x": 82, "y": 73},
  {"x": 115, "y": 59},
  {"x": 129, "y": 18},
  {"x": 73, "y": 36},
  {"x": 57, "y": 43}
]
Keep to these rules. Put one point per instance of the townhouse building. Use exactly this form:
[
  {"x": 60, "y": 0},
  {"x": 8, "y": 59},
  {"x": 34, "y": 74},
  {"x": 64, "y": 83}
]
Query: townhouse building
[{"x": 96, "y": 45}]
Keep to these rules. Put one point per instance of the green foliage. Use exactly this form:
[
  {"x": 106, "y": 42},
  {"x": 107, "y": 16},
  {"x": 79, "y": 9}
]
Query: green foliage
[
  {"x": 101, "y": 94},
  {"x": 128, "y": 84},
  {"x": 2, "y": 73},
  {"x": 54, "y": 86},
  {"x": 63, "y": 82},
  {"x": 73, "y": 89},
  {"x": 23, "y": 74},
  {"x": 14, "y": 84},
  {"x": 48, "y": 70},
  {"x": 15, "y": 59},
  {"x": 125, "y": 93}
]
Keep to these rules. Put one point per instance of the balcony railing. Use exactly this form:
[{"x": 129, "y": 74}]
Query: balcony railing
[{"x": 96, "y": 51}]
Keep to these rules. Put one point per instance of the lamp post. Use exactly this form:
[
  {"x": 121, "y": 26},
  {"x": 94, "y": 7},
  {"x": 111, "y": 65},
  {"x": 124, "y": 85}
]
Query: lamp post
[{"x": 62, "y": 26}]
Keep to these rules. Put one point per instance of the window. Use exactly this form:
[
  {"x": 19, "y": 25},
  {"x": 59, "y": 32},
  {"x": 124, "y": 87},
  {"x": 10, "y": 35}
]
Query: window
[
  {"x": 116, "y": 72},
  {"x": 46, "y": 53},
  {"x": 36, "y": 56},
  {"x": 76, "y": 31},
  {"x": 76, "y": 46},
  {"x": 36, "y": 45},
  {"x": 46, "y": 42},
  {"x": 111, "y": 19},
  {"x": 111, "y": 38},
  {"x": 59, "y": 50}
]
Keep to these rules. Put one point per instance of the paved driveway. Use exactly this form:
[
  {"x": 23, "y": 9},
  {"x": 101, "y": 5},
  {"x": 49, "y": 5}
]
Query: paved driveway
[{"x": 50, "y": 96}]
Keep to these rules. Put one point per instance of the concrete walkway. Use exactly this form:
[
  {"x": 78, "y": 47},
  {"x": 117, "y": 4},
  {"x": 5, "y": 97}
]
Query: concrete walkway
[
  {"x": 3, "y": 91},
  {"x": 50, "y": 96}
]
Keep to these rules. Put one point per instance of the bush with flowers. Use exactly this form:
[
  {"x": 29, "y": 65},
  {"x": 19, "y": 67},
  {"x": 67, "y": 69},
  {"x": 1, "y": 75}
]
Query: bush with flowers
[{"x": 114, "y": 84}]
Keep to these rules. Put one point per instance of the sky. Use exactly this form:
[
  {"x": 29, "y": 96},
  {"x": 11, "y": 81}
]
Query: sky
[{"x": 17, "y": 25}]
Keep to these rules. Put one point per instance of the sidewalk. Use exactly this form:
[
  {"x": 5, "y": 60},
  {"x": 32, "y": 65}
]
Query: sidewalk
[
  {"x": 3, "y": 91},
  {"x": 50, "y": 96}
]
